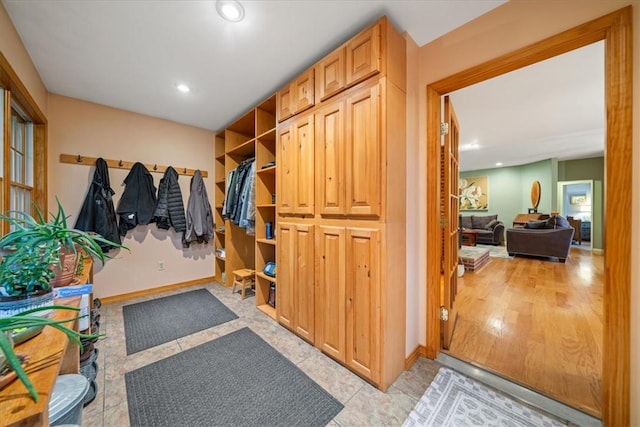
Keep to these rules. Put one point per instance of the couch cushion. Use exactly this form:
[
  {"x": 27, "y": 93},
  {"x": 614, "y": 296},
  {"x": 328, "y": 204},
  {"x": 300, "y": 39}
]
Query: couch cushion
[
  {"x": 482, "y": 221},
  {"x": 558, "y": 222},
  {"x": 536, "y": 224},
  {"x": 465, "y": 222}
]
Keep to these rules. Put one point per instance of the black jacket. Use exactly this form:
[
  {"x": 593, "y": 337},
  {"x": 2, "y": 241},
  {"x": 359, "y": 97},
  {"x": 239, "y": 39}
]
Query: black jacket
[
  {"x": 97, "y": 213},
  {"x": 170, "y": 208},
  {"x": 138, "y": 201}
]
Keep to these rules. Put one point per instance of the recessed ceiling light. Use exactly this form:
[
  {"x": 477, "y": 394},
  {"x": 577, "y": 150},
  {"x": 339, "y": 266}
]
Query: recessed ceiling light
[
  {"x": 183, "y": 88},
  {"x": 499, "y": 164},
  {"x": 231, "y": 10}
]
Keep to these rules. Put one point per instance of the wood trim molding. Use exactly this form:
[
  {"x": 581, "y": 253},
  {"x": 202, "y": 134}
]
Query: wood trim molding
[
  {"x": 616, "y": 29},
  {"x": 152, "y": 291},
  {"x": 419, "y": 351}
]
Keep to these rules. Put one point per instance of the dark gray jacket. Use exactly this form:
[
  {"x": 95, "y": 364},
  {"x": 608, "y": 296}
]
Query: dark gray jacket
[
  {"x": 170, "y": 209},
  {"x": 199, "y": 215}
]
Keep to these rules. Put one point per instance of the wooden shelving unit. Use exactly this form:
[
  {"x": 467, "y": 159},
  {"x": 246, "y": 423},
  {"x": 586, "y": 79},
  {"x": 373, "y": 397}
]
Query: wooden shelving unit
[
  {"x": 221, "y": 180},
  {"x": 252, "y": 135},
  {"x": 265, "y": 249}
]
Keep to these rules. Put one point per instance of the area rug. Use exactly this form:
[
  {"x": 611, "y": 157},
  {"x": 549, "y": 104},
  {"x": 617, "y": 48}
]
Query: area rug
[
  {"x": 235, "y": 380},
  {"x": 453, "y": 399},
  {"x": 496, "y": 251},
  {"x": 151, "y": 323}
]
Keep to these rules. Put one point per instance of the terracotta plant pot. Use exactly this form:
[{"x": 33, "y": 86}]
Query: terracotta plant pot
[{"x": 69, "y": 262}]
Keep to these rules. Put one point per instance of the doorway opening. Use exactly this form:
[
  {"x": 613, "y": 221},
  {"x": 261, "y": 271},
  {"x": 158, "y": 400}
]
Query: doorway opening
[{"x": 615, "y": 29}]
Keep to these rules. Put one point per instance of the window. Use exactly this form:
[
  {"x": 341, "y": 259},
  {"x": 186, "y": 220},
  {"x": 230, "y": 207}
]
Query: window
[{"x": 23, "y": 161}]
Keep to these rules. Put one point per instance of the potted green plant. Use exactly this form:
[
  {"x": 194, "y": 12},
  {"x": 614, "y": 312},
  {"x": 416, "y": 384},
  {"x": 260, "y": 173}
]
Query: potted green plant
[
  {"x": 25, "y": 320},
  {"x": 31, "y": 251}
]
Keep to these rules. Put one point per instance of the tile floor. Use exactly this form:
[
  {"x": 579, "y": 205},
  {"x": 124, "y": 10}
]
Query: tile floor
[{"x": 363, "y": 404}]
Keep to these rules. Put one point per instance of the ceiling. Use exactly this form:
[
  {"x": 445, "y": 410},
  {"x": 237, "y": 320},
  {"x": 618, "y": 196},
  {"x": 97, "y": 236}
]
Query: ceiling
[{"x": 132, "y": 54}]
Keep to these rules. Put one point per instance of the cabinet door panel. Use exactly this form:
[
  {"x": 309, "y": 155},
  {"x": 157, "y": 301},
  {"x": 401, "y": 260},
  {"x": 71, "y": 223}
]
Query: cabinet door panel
[
  {"x": 363, "y": 169},
  {"x": 284, "y": 103},
  {"x": 363, "y": 302},
  {"x": 285, "y": 275},
  {"x": 304, "y": 282},
  {"x": 363, "y": 55},
  {"x": 285, "y": 171},
  {"x": 330, "y": 141},
  {"x": 303, "y": 179},
  {"x": 331, "y": 325},
  {"x": 304, "y": 91},
  {"x": 330, "y": 74}
]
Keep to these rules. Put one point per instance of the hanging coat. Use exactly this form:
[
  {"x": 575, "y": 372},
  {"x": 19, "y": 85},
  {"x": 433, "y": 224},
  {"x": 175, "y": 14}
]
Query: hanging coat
[
  {"x": 170, "y": 209},
  {"x": 138, "y": 201},
  {"x": 97, "y": 213},
  {"x": 199, "y": 215}
]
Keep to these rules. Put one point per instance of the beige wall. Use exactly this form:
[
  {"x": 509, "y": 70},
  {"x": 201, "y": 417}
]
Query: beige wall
[
  {"x": 511, "y": 26},
  {"x": 12, "y": 48},
  {"x": 78, "y": 127}
]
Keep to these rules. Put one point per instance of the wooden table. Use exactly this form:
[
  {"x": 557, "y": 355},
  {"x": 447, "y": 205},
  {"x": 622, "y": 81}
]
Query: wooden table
[
  {"x": 469, "y": 237},
  {"x": 50, "y": 354}
]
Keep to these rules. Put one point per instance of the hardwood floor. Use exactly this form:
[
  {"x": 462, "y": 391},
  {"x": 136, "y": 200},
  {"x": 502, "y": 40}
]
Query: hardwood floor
[{"x": 537, "y": 323}]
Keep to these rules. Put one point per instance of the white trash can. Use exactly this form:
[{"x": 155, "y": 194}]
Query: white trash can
[{"x": 65, "y": 405}]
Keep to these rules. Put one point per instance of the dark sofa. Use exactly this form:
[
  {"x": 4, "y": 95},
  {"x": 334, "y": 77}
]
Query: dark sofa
[
  {"x": 489, "y": 230},
  {"x": 550, "y": 238}
]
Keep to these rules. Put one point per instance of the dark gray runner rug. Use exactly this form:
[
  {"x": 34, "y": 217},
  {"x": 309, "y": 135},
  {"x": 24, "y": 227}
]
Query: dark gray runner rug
[
  {"x": 151, "y": 323},
  {"x": 235, "y": 380}
]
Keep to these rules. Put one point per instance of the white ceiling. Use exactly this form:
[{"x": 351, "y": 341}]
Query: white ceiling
[{"x": 132, "y": 54}]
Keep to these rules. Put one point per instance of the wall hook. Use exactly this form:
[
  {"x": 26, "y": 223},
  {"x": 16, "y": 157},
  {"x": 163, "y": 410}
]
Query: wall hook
[
  {"x": 120, "y": 164},
  {"x": 184, "y": 171},
  {"x": 155, "y": 167},
  {"x": 79, "y": 159}
]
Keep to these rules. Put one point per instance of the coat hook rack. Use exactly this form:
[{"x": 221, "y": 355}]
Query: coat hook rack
[{"x": 78, "y": 159}]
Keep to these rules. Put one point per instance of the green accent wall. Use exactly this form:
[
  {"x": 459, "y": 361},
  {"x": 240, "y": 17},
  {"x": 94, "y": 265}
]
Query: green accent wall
[{"x": 509, "y": 189}]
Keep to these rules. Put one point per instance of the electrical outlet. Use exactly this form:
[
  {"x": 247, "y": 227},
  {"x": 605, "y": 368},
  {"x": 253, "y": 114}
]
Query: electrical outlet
[{"x": 160, "y": 265}]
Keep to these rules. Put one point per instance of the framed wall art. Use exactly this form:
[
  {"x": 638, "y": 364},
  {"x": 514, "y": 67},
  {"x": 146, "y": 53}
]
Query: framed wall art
[
  {"x": 578, "y": 199},
  {"x": 474, "y": 193}
]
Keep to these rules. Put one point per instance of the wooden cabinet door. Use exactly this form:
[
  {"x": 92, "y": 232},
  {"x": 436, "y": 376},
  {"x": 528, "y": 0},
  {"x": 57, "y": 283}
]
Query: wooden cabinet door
[
  {"x": 363, "y": 55},
  {"x": 363, "y": 302},
  {"x": 330, "y": 74},
  {"x": 284, "y": 103},
  {"x": 285, "y": 285},
  {"x": 304, "y": 282},
  {"x": 303, "y": 178},
  {"x": 330, "y": 297},
  {"x": 285, "y": 172},
  {"x": 330, "y": 143},
  {"x": 363, "y": 153},
  {"x": 304, "y": 91}
]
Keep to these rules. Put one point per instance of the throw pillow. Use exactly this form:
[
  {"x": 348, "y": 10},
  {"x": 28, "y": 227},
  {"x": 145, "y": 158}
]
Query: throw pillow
[
  {"x": 491, "y": 224},
  {"x": 558, "y": 222},
  {"x": 479, "y": 222},
  {"x": 535, "y": 224},
  {"x": 465, "y": 222}
]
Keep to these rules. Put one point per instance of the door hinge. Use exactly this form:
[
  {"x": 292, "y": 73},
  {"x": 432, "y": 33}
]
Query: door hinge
[
  {"x": 443, "y": 221},
  {"x": 444, "y": 128},
  {"x": 444, "y": 314}
]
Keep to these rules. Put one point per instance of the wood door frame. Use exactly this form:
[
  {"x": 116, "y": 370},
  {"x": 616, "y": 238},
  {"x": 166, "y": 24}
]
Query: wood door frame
[{"x": 616, "y": 30}]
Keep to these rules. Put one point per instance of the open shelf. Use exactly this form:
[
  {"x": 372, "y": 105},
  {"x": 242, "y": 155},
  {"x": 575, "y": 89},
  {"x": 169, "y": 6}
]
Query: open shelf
[
  {"x": 268, "y": 310},
  {"x": 264, "y": 276},
  {"x": 267, "y": 241}
]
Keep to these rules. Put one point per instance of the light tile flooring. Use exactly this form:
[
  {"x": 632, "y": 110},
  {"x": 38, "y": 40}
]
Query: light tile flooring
[{"x": 363, "y": 403}]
